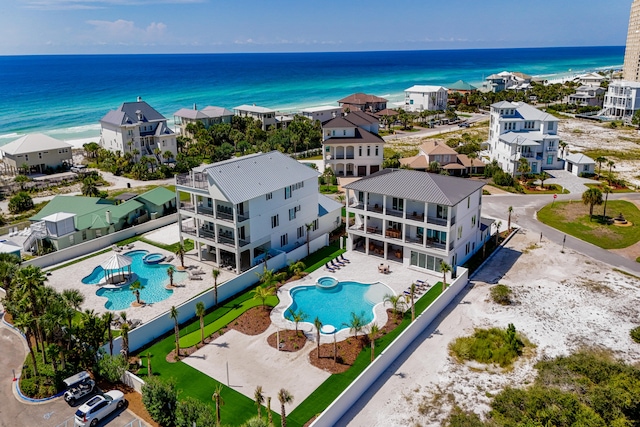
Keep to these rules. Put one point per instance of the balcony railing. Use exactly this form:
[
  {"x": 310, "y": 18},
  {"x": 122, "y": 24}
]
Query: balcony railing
[
  {"x": 243, "y": 217},
  {"x": 453, "y": 220},
  {"x": 205, "y": 210},
  {"x": 229, "y": 241},
  {"x": 187, "y": 207},
  {"x": 395, "y": 213},
  {"x": 199, "y": 180},
  {"x": 375, "y": 208},
  {"x": 416, "y": 216},
  {"x": 418, "y": 240},
  {"x": 207, "y": 234},
  {"x": 189, "y": 230},
  {"x": 527, "y": 155},
  {"x": 392, "y": 233},
  {"x": 436, "y": 245},
  {"x": 224, "y": 216},
  {"x": 374, "y": 230},
  {"x": 437, "y": 221}
]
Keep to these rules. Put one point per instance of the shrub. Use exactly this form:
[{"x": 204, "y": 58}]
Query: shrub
[
  {"x": 501, "y": 294},
  {"x": 502, "y": 178},
  {"x": 159, "y": 398},
  {"x": 492, "y": 345},
  {"x": 190, "y": 412},
  {"x": 635, "y": 334},
  {"x": 21, "y": 202},
  {"x": 112, "y": 368}
]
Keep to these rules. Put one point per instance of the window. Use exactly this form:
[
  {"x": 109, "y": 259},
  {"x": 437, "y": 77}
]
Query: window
[
  {"x": 333, "y": 133},
  {"x": 428, "y": 262},
  {"x": 26, "y": 157},
  {"x": 98, "y": 233},
  {"x": 468, "y": 202},
  {"x": 550, "y": 159},
  {"x": 344, "y": 132},
  {"x": 368, "y": 150},
  {"x": 551, "y": 125},
  {"x": 397, "y": 204},
  {"x": 284, "y": 240},
  {"x": 360, "y": 151},
  {"x": 466, "y": 249},
  {"x": 287, "y": 192},
  {"x": 314, "y": 225},
  {"x": 585, "y": 168},
  {"x": 460, "y": 232},
  {"x": 473, "y": 221},
  {"x": 275, "y": 221},
  {"x": 292, "y": 212},
  {"x": 377, "y": 150},
  {"x": 300, "y": 232},
  {"x": 84, "y": 235},
  {"x": 39, "y": 155},
  {"x": 71, "y": 239}
]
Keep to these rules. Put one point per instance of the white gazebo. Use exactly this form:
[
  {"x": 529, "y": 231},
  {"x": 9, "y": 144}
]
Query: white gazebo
[{"x": 117, "y": 269}]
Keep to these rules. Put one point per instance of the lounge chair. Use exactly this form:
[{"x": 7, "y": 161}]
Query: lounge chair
[
  {"x": 116, "y": 248},
  {"x": 343, "y": 259},
  {"x": 169, "y": 258},
  {"x": 129, "y": 246},
  {"x": 334, "y": 265},
  {"x": 331, "y": 269},
  {"x": 340, "y": 263}
]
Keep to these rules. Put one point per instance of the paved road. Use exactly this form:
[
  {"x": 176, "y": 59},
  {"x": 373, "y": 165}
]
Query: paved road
[{"x": 16, "y": 413}]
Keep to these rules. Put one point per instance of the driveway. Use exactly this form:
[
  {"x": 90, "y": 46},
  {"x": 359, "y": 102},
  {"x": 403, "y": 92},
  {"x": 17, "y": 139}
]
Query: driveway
[
  {"x": 14, "y": 412},
  {"x": 574, "y": 184}
]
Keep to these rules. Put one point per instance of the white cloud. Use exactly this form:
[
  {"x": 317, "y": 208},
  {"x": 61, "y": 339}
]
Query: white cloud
[{"x": 122, "y": 31}]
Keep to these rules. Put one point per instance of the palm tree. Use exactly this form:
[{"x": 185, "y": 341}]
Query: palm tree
[
  {"x": 373, "y": 334},
  {"x": 215, "y": 273},
  {"x": 180, "y": 254},
  {"x": 318, "y": 324},
  {"x": 269, "y": 416},
  {"x": 592, "y": 197},
  {"x": 168, "y": 155},
  {"x": 259, "y": 399},
  {"x": 284, "y": 397},
  {"x": 412, "y": 298},
  {"x": 472, "y": 156},
  {"x": 395, "y": 301},
  {"x": 297, "y": 317},
  {"x": 606, "y": 190},
  {"x": 149, "y": 371},
  {"x": 523, "y": 168},
  {"x": 107, "y": 318},
  {"x": 174, "y": 315},
  {"x": 89, "y": 187},
  {"x": 216, "y": 397},
  {"x": 262, "y": 293},
  {"x": 356, "y": 323},
  {"x": 543, "y": 176},
  {"x": 136, "y": 287},
  {"x": 510, "y": 211},
  {"x": 200, "y": 312},
  {"x": 445, "y": 268},
  {"x": 124, "y": 334},
  {"x": 297, "y": 268},
  {"x": 498, "y": 225},
  {"x": 600, "y": 160},
  {"x": 308, "y": 227},
  {"x": 24, "y": 322},
  {"x": 611, "y": 165},
  {"x": 170, "y": 272},
  {"x": 562, "y": 145}
]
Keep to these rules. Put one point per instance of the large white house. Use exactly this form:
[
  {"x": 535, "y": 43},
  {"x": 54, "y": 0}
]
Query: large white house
[
  {"x": 425, "y": 98},
  {"x": 264, "y": 115},
  {"x": 208, "y": 116},
  {"x": 322, "y": 114},
  {"x": 36, "y": 152},
  {"x": 506, "y": 80},
  {"x": 351, "y": 144},
  {"x": 242, "y": 208},
  {"x": 518, "y": 130},
  {"x": 417, "y": 218},
  {"x": 136, "y": 126},
  {"x": 621, "y": 100}
]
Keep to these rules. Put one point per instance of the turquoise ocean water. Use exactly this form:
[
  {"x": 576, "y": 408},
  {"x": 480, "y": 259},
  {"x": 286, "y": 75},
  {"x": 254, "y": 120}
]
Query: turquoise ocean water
[{"x": 65, "y": 96}]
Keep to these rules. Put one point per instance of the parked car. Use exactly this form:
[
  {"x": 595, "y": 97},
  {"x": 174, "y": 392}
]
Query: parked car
[
  {"x": 463, "y": 125},
  {"x": 98, "y": 407},
  {"x": 78, "y": 386}
]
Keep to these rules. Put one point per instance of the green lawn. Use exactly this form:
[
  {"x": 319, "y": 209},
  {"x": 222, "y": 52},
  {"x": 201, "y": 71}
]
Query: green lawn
[
  {"x": 318, "y": 259},
  {"x": 616, "y": 190},
  {"x": 328, "y": 189},
  {"x": 573, "y": 219}
]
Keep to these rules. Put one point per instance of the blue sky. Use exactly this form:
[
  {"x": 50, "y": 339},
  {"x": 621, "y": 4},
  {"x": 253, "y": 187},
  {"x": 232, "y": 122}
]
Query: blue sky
[{"x": 176, "y": 26}]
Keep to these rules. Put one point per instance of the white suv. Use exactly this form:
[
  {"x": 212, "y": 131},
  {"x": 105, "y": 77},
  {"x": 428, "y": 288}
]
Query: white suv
[{"x": 98, "y": 407}]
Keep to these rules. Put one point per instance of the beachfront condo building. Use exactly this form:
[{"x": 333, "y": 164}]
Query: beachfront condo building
[
  {"x": 323, "y": 113},
  {"x": 208, "y": 116},
  {"x": 520, "y": 131},
  {"x": 446, "y": 158},
  {"x": 425, "y": 98},
  {"x": 416, "y": 218},
  {"x": 137, "y": 128},
  {"x": 631, "y": 68},
  {"x": 622, "y": 99},
  {"x": 36, "y": 153},
  {"x": 266, "y": 116},
  {"x": 242, "y": 209},
  {"x": 363, "y": 102},
  {"x": 351, "y": 144}
]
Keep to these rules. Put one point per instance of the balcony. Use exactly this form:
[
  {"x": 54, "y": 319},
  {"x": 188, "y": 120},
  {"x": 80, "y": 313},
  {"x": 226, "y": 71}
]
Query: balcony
[
  {"x": 552, "y": 149},
  {"x": 415, "y": 240},
  {"x": 187, "y": 207},
  {"x": 395, "y": 213},
  {"x": 199, "y": 180},
  {"x": 243, "y": 217},
  {"x": 527, "y": 155},
  {"x": 375, "y": 208},
  {"x": 224, "y": 216},
  {"x": 416, "y": 216},
  {"x": 393, "y": 233},
  {"x": 226, "y": 240},
  {"x": 436, "y": 245},
  {"x": 205, "y": 210},
  {"x": 207, "y": 234},
  {"x": 374, "y": 230}
]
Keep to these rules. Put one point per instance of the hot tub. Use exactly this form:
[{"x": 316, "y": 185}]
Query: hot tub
[
  {"x": 326, "y": 282},
  {"x": 154, "y": 258}
]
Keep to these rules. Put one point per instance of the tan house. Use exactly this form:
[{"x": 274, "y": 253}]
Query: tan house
[
  {"x": 363, "y": 102},
  {"x": 40, "y": 153},
  {"x": 448, "y": 159}
]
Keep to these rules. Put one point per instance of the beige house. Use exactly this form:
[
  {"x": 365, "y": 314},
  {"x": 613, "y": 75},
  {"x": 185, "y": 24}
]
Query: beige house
[
  {"x": 448, "y": 159},
  {"x": 39, "y": 152}
]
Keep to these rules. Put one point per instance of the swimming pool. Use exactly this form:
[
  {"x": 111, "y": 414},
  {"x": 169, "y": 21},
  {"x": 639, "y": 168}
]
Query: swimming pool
[
  {"x": 334, "y": 305},
  {"x": 153, "y": 277}
]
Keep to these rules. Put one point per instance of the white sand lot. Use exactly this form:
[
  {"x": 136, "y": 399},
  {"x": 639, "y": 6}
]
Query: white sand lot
[{"x": 565, "y": 301}]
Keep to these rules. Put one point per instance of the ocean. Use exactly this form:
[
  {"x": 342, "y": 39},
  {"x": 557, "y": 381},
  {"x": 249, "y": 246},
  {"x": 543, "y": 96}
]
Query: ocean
[{"x": 66, "y": 95}]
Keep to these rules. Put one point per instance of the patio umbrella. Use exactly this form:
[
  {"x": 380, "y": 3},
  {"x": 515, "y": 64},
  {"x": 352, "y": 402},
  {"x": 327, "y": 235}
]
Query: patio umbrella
[{"x": 116, "y": 263}]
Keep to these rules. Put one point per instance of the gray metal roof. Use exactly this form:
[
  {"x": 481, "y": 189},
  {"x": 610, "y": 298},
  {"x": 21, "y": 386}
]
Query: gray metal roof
[
  {"x": 361, "y": 136},
  {"x": 579, "y": 159},
  {"x": 32, "y": 143},
  {"x": 526, "y": 111},
  {"x": 247, "y": 177},
  {"x": 127, "y": 114},
  {"x": 415, "y": 185}
]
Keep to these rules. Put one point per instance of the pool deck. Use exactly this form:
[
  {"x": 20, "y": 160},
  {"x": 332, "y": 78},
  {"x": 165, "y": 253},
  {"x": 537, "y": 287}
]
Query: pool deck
[
  {"x": 363, "y": 269},
  {"x": 70, "y": 277},
  {"x": 252, "y": 361}
]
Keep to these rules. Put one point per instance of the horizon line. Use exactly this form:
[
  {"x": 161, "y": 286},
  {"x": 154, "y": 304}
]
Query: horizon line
[{"x": 307, "y": 52}]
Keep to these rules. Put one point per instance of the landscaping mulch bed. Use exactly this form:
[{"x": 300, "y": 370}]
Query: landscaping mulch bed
[
  {"x": 254, "y": 321},
  {"x": 348, "y": 350},
  {"x": 290, "y": 341}
]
